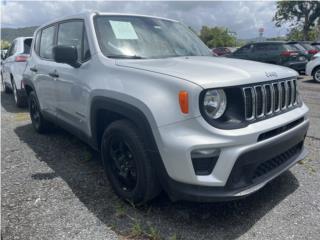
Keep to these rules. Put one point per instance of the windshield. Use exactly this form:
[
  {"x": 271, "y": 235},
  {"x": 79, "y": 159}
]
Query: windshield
[{"x": 143, "y": 37}]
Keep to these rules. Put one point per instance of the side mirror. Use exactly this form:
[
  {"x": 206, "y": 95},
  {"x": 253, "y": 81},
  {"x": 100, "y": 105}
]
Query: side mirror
[{"x": 66, "y": 54}]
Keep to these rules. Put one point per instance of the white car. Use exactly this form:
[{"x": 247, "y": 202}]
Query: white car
[
  {"x": 13, "y": 66},
  {"x": 313, "y": 67},
  {"x": 165, "y": 114}
]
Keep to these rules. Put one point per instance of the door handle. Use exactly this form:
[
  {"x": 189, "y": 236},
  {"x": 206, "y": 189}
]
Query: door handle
[
  {"x": 54, "y": 74},
  {"x": 33, "y": 69}
]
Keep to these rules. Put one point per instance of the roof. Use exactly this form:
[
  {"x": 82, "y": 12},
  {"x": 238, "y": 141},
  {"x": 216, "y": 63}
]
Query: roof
[{"x": 89, "y": 14}]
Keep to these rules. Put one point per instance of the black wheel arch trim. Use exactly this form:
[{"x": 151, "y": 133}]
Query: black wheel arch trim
[
  {"x": 135, "y": 115},
  {"x": 126, "y": 110},
  {"x": 28, "y": 83}
]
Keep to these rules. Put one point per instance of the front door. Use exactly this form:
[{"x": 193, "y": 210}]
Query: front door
[{"x": 72, "y": 86}]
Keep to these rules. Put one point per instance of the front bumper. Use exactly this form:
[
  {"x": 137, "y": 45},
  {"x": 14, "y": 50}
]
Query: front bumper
[{"x": 242, "y": 155}]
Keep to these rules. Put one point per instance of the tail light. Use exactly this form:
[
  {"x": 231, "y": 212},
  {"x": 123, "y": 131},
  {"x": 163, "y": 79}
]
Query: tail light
[
  {"x": 313, "y": 51},
  {"x": 289, "y": 53},
  {"x": 21, "y": 58}
]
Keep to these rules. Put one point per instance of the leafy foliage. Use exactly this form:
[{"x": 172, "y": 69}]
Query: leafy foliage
[
  {"x": 297, "y": 35},
  {"x": 5, "y": 44},
  {"x": 302, "y": 15},
  {"x": 217, "y": 37}
]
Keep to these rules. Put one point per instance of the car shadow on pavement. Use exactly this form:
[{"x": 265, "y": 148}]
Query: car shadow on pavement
[
  {"x": 80, "y": 168},
  {"x": 8, "y": 103}
]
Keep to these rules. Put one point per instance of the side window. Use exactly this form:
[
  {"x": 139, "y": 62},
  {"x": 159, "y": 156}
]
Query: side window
[
  {"x": 86, "y": 51},
  {"x": 244, "y": 49},
  {"x": 260, "y": 48},
  {"x": 27, "y": 45},
  {"x": 46, "y": 42},
  {"x": 70, "y": 34},
  {"x": 37, "y": 42}
]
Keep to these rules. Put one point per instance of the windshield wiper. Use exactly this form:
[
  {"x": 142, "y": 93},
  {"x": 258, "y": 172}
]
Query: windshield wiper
[{"x": 125, "y": 56}]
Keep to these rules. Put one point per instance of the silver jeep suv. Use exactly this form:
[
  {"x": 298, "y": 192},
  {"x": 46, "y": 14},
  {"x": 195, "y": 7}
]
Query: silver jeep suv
[{"x": 164, "y": 113}]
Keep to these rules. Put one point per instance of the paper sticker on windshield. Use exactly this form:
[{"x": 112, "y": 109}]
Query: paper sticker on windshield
[{"x": 123, "y": 30}]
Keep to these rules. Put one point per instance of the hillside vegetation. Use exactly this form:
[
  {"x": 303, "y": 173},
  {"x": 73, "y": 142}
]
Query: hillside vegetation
[{"x": 9, "y": 34}]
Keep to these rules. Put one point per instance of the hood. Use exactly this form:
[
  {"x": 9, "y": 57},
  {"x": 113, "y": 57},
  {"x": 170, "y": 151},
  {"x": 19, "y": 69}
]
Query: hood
[{"x": 211, "y": 72}]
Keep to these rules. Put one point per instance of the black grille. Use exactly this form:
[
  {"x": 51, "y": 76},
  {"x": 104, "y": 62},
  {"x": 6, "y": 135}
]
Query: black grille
[
  {"x": 275, "y": 162},
  {"x": 266, "y": 99}
]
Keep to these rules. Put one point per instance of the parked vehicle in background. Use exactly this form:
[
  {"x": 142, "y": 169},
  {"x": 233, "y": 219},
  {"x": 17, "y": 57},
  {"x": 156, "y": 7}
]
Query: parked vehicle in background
[
  {"x": 313, "y": 67},
  {"x": 165, "y": 114},
  {"x": 221, "y": 51},
  {"x": 3, "y": 53},
  {"x": 276, "y": 52},
  {"x": 233, "y": 49},
  {"x": 316, "y": 45},
  {"x": 13, "y": 66},
  {"x": 305, "y": 47}
]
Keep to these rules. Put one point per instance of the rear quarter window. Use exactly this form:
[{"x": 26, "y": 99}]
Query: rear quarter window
[{"x": 27, "y": 45}]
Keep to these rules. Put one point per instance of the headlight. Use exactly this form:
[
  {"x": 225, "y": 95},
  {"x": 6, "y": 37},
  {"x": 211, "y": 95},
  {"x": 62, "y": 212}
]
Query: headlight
[{"x": 214, "y": 103}]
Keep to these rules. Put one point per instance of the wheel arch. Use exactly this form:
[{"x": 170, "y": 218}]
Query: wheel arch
[
  {"x": 105, "y": 110},
  {"x": 28, "y": 86},
  {"x": 314, "y": 69}
]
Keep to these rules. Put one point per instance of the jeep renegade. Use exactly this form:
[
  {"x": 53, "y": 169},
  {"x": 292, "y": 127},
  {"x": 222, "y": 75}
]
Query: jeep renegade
[{"x": 164, "y": 113}]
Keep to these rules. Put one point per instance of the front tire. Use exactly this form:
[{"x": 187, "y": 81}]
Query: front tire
[
  {"x": 126, "y": 163},
  {"x": 316, "y": 74},
  {"x": 18, "y": 99},
  {"x": 40, "y": 124}
]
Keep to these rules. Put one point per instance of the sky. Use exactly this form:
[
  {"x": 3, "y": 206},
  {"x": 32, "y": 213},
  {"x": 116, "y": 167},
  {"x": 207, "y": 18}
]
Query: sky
[{"x": 242, "y": 17}]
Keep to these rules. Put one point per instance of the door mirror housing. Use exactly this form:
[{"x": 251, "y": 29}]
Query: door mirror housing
[{"x": 66, "y": 54}]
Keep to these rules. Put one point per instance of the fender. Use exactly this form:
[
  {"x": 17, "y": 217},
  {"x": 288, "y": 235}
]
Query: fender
[
  {"x": 126, "y": 110},
  {"x": 134, "y": 114}
]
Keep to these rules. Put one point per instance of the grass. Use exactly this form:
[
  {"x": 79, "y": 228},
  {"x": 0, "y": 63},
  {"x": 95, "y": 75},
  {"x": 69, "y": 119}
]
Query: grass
[
  {"x": 120, "y": 210},
  {"x": 136, "y": 230},
  {"x": 154, "y": 234}
]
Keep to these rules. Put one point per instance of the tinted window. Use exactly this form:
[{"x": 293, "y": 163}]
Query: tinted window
[
  {"x": 27, "y": 45},
  {"x": 244, "y": 49},
  {"x": 37, "y": 42},
  {"x": 307, "y": 46},
  {"x": 291, "y": 47},
  {"x": 46, "y": 42},
  {"x": 70, "y": 34},
  {"x": 266, "y": 47},
  {"x": 86, "y": 50}
]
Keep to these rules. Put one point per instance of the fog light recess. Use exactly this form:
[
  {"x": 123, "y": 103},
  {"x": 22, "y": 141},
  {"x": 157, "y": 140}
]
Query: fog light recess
[{"x": 204, "y": 160}]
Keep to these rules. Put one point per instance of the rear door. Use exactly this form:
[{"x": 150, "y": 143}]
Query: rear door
[{"x": 43, "y": 66}]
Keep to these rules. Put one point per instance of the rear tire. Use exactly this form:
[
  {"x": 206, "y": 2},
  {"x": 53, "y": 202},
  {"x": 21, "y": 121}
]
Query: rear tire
[
  {"x": 316, "y": 74},
  {"x": 5, "y": 88},
  {"x": 126, "y": 163},
  {"x": 39, "y": 123}
]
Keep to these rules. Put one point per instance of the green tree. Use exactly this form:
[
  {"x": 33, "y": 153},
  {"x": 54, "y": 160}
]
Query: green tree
[
  {"x": 4, "y": 44},
  {"x": 217, "y": 37},
  {"x": 296, "y": 35},
  {"x": 300, "y": 14}
]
